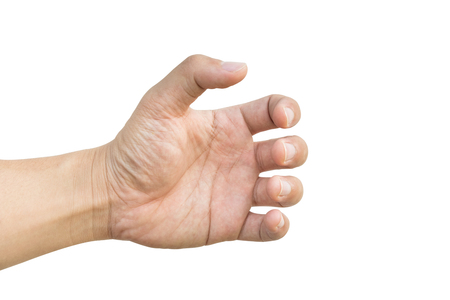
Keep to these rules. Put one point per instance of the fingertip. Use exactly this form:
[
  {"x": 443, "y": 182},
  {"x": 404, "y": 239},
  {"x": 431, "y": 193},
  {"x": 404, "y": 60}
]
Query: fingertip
[
  {"x": 274, "y": 187},
  {"x": 263, "y": 228},
  {"x": 289, "y": 116},
  {"x": 232, "y": 73},
  {"x": 276, "y": 223},
  {"x": 298, "y": 190},
  {"x": 278, "y": 188},
  {"x": 289, "y": 152},
  {"x": 278, "y": 152},
  {"x": 277, "y": 191},
  {"x": 292, "y": 113},
  {"x": 210, "y": 73},
  {"x": 279, "y": 116},
  {"x": 281, "y": 222},
  {"x": 273, "y": 111},
  {"x": 285, "y": 188},
  {"x": 295, "y": 193},
  {"x": 233, "y": 67},
  {"x": 286, "y": 113}
]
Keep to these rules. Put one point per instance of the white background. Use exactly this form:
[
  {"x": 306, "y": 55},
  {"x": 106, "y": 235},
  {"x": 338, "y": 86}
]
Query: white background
[{"x": 372, "y": 80}]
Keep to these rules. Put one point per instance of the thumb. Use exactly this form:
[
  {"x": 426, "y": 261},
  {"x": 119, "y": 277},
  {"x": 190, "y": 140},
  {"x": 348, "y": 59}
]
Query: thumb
[{"x": 189, "y": 80}]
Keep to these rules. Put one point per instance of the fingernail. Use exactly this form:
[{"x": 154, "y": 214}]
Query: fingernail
[
  {"x": 281, "y": 224},
  {"x": 285, "y": 188},
  {"x": 290, "y": 115},
  {"x": 232, "y": 66},
  {"x": 289, "y": 151}
]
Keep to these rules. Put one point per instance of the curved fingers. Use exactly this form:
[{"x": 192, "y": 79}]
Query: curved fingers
[
  {"x": 274, "y": 111},
  {"x": 262, "y": 228},
  {"x": 284, "y": 153},
  {"x": 281, "y": 191}
]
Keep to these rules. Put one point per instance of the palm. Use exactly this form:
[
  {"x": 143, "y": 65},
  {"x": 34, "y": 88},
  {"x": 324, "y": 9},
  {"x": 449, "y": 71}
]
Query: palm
[
  {"x": 188, "y": 179},
  {"x": 216, "y": 187},
  {"x": 212, "y": 186}
]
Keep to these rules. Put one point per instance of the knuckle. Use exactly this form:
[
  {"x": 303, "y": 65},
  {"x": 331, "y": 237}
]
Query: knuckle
[
  {"x": 193, "y": 59},
  {"x": 255, "y": 192},
  {"x": 259, "y": 157}
]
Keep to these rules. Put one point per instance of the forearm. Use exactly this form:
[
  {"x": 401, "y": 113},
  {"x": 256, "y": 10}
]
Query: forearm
[{"x": 51, "y": 203}]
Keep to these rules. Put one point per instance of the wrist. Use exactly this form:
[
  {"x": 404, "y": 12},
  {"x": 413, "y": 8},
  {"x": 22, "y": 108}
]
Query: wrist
[{"x": 91, "y": 203}]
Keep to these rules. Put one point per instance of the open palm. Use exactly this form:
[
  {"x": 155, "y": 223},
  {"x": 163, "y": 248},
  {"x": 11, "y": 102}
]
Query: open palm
[{"x": 185, "y": 178}]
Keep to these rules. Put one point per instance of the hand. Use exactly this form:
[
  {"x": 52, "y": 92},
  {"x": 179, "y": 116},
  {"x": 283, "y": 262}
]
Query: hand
[{"x": 180, "y": 177}]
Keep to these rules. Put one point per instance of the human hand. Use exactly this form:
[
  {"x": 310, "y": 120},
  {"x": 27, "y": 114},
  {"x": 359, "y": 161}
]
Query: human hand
[{"x": 179, "y": 177}]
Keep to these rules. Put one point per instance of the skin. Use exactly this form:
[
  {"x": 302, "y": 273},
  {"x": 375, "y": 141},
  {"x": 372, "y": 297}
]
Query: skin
[{"x": 173, "y": 177}]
